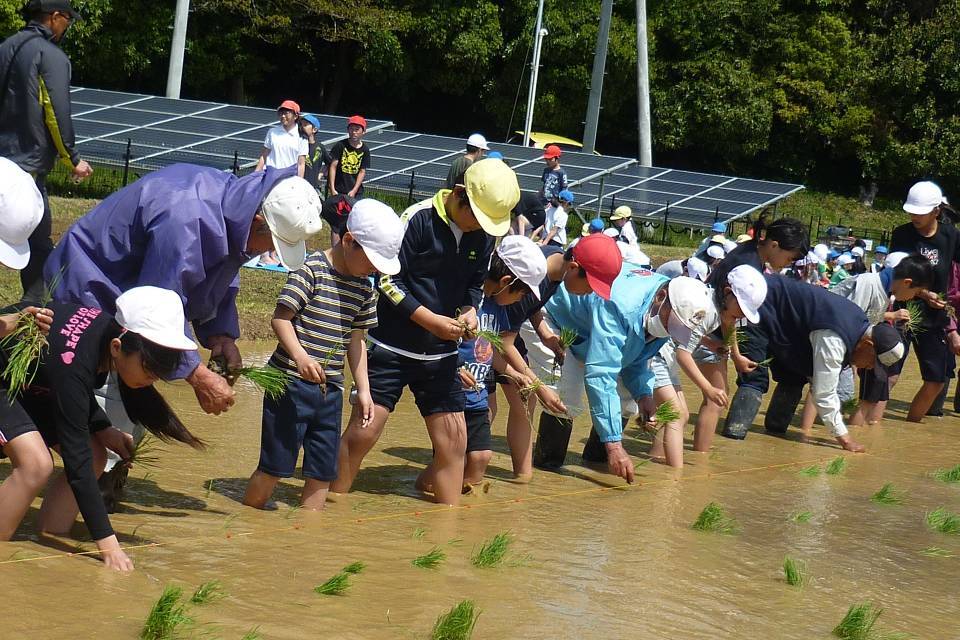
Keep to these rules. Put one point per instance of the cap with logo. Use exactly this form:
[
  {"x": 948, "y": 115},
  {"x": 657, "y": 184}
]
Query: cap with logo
[
  {"x": 360, "y": 121},
  {"x": 156, "y": 315},
  {"x": 493, "y": 191},
  {"x": 750, "y": 288},
  {"x": 292, "y": 211},
  {"x": 21, "y": 209},
  {"x": 50, "y": 6},
  {"x": 552, "y": 151},
  {"x": 379, "y": 232},
  {"x": 623, "y": 212},
  {"x": 525, "y": 260},
  {"x": 889, "y": 347},
  {"x": 478, "y": 141},
  {"x": 692, "y": 304},
  {"x": 923, "y": 198},
  {"x": 289, "y": 105},
  {"x": 599, "y": 257}
]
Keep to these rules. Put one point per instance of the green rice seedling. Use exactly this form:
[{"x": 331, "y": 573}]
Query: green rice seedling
[
  {"x": 666, "y": 413},
  {"x": 914, "y": 324},
  {"x": 253, "y": 634},
  {"x": 794, "y": 572},
  {"x": 208, "y": 592},
  {"x": 714, "y": 519},
  {"x": 527, "y": 391},
  {"x": 209, "y": 487},
  {"x": 492, "y": 337},
  {"x": 850, "y": 406},
  {"x": 354, "y": 568},
  {"x": 811, "y": 471},
  {"x": 837, "y": 466},
  {"x": 936, "y": 552},
  {"x": 292, "y": 512},
  {"x": 26, "y": 344},
  {"x": 860, "y": 623},
  {"x": 418, "y": 533},
  {"x": 430, "y": 560},
  {"x": 887, "y": 495},
  {"x": 273, "y": 382},
  {"x": 456, "y": 624},
  {"x": 493, "y": 552},
  {"x": 951, "y": 476},
  {"x": 146, "y": 453},
  {"x": 568, "y": 337},
  {"x": 943, "y": 521},
  {"x": 801, "y": 516},
  {"x": 335, "y": 586},
  {"x": 167, "y": 617}
]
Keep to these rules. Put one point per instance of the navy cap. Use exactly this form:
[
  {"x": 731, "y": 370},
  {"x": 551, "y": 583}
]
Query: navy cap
[{"x": 51, "y": 6}]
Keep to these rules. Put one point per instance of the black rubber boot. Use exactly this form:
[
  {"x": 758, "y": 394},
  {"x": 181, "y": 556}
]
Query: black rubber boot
[
  {"x": 956, "y": 399},
  {"x": 936, "y": 409},
  {"x": 593, "y": 450},
  {"x": 743, "y": 411},
  {"x": 783, "y": 406},
  {"x": 111, "y": 486},
  {"x": 553, "y": 438}
]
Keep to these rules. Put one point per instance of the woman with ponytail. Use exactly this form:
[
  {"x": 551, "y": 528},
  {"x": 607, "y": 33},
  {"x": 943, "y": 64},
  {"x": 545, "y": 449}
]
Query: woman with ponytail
[{"x": 57, "y": 410}]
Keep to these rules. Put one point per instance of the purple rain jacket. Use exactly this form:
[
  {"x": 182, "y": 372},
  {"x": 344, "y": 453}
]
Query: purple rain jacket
[{"x": 182, "y": 228}]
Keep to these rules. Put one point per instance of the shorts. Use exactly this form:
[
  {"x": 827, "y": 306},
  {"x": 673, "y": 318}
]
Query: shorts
[
  {"x": 703, "y": 355},
  {"x": 478, "y": 430},
  {"x": 435, "y": 384},
  {"x": 665, "y": 369},
  {"x": 14, "y": 421},
  {"x": 303, "y": 417},
  {"x": 872, "y": 388},
  {"x": 933, "y": 355}
]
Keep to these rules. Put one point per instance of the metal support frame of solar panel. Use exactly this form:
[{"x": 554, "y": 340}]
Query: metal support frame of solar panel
[
  {"x": 165, "y": 131},
  {"x": 695, "y": 199}
]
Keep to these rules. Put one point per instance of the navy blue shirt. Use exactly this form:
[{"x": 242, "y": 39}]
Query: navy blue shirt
[
  {"x": 521, "y": 311},
  {"x": 477, "y": 355}
]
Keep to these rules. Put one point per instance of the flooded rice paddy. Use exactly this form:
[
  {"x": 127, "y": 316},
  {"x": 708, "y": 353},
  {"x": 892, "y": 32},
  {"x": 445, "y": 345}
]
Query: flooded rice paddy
[{"x": 590, "y": 557}]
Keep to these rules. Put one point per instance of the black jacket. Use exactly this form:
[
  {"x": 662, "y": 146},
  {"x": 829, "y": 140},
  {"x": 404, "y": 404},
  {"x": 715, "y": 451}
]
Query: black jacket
[{"x": 35, "y": 124}]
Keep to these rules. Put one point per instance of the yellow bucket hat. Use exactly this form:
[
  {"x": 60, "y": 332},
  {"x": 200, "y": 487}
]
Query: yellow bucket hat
[
  {"x": 493, "y": 191},
  {"x": 623, "y": 212}
]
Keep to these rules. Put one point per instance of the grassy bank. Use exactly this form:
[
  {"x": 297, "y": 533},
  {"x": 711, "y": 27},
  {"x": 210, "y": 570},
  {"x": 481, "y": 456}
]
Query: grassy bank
[{"x": 259, "y": 289}]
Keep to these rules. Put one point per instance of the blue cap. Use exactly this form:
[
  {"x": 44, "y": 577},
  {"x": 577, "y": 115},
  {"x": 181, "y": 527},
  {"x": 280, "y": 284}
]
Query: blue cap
[
  {"x": 312, "y": 119},
  {"x": 719, "y": 227},
  {"x": 566, "y": 195},
  {"x": 833, "y": 255},
  {"x": 881, "y": 249},
  {"x": 596, "y": 225},
  {"x": 495, "y": 155}
]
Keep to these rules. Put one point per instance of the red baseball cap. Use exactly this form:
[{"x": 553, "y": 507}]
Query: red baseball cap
[
  {"x": 359, "y": 121},
  {"x": 600, "y": 258},
  {"x": 291, "y": 105},
  {"x": 552, "y": 151}
]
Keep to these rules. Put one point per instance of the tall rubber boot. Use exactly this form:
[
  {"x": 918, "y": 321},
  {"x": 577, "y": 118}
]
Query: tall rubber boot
[
  {"x": 956, "y": 399},
  {"x": 936, "y": 409},
  {"x": 782, "y": 408},
  {"x": 553, "y": 438},
  {"x": 743, "y": 410},
  {"x": 594, "y": 450}
]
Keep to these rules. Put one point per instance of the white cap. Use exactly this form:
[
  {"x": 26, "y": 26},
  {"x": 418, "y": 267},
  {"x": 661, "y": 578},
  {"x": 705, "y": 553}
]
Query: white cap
[
  {"x": 692, "y": 303},
  {"x": 292, "y": 210},
  {"x": 155, "y": 314},
  {"x": 845, "y": 259},
  {"x": 857, "y": 251},
  {"x": 716, "y": 251},
  {"x": 812, "y": 258},
  {"x": 750, "y": 288},
  {"x": 379, "y": 231},
  {"x": 729, "y": 245},
  {"x": 21, "y": 209},
  {"x": 822, "y": 251},
  {"x": 697, "y": 268},
  {"x": 894, "y": 259},
  {"x": 478, "y": 141},
  {"x": 923, "y": 198},
  {"x": 525, "y": 259}
]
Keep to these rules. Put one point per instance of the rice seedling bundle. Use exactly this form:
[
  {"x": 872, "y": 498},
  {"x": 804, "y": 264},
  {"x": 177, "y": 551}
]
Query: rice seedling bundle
[
  {"x": 354, "y": 568},
  {"x": 794, "y": 572},
  {"x": 944, "y": 521},
  {"x": 273, "y": 382},
  {"x": 951, "y": 476},
  {"x": 568, "y": 337},
  {"x": 850, "y": 405},
  {"x": 493, "y": 552},
  {"x": 860, "y": 624},
  {"x": 456, "y": 624},
  {"x": 801, "y": 516},
  {"x": 25, "y": 344},
  {"x": 335, "y": 586},
  {"x": 664, "y": 415},
  {"x": 887, "y": 495},
  {"x": 430, "y": 560},
  {"x": 253, "y": 634},
  {"x": 837, "y": 466},
  {"x": 936, "y": 552},
  {"x": 527, "y": 391},
  {"x": 914, "y": 324},
  {"x": 419, "y": 532},
  {"x": 166, "y": 617},
  {"x": 811, "y": 471},
  {"x": 490, "y": 336},
  {"x": 146, "y": 453},
  {"x": 208, "y": 592},
  {"x": 714, "y": 519}
]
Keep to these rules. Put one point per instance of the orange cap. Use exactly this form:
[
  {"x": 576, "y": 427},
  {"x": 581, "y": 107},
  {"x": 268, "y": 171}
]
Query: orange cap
[
  {"x": 552, "y": 151},
  {"x": 291, "y": 105},
  {"x": 359, "y": 121}
]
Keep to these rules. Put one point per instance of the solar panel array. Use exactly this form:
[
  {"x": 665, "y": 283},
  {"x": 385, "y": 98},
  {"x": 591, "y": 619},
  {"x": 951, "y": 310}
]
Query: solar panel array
[{"x": 163, "y": 131}]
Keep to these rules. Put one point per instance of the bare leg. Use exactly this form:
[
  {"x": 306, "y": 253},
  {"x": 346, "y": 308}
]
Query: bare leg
[
  {"x": 520, "y": 431},
  {"x": 873, "y": 411},
  {"x": 355, "y": 444},
  {"x": 808, "y": 417},
  {"x": 32, "y": 466},
  {"x": 709, "y": 414},
  {"x": 476, "y": 466},
  {"x": 59, "y": 509},
  {"x": 921, "y": 402},
  {"x": 259, "y": 489},
  {"x": 425, "y": 479},
  {"x": 448, "y": 432},
  {"x": 314, "y": 495},
  {"x": 668, "y": 445},
  {"x": 492, "y": 406}
]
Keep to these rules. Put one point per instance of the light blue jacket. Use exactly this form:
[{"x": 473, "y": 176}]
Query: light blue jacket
[{"x": 613, "y": 342}]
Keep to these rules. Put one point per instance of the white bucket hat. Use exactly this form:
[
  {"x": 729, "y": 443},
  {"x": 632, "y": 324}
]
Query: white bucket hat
[
  {"x": 697, "y": 268},
  {"x": 525, "y": 259},
  {"x": 923, "y": 198},
  {"x": 155, "y": 314},
  {"x": 21, "y": 209},
  {"x": 379, "y": 231},
  {"x": 750, "y": 288},
  {"x": 822, "y": 251},
  {"x": 894, "y": 259},
  {"x": 292, "y": 211},
  {"x": 692, "y": 304}
]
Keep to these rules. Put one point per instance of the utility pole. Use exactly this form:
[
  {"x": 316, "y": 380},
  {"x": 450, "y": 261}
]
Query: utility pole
[
  {"x": 596, "y": 83},
  {"x": 175, "y": 73},
  {"x": 538, "y": 35},
  {"x": 643, "y": 88}
]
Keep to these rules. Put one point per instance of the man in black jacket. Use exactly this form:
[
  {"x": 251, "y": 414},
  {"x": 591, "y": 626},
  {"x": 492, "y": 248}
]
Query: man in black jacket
[{"x": 35, "y": 119}]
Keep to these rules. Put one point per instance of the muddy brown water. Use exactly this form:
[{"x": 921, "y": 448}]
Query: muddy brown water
[{"x": 589, "y": 559}]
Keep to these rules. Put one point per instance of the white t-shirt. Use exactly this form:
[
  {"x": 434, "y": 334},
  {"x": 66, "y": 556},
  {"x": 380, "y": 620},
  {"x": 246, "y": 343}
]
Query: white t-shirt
[
  {"x": 556, "y": 219},
  {"x": 286, "y": 147}
]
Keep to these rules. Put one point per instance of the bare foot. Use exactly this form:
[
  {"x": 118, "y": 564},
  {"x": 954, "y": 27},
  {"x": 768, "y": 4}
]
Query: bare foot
[
  {"x": 523, "y": 478},
  {"x": 849, "y": 445}
]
